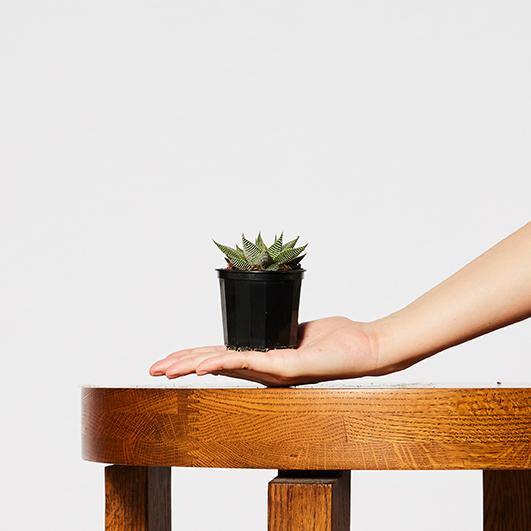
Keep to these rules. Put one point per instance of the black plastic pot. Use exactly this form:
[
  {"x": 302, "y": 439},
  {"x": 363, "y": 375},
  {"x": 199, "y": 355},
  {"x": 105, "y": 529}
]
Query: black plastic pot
[{"x": 260, "y": 308}]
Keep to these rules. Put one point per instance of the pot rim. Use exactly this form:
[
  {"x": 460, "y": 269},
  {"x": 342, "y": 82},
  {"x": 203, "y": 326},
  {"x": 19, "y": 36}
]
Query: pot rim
[{"x": 260, "y": 275}]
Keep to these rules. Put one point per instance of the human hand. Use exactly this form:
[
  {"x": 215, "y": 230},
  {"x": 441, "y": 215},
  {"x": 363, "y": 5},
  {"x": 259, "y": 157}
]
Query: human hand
[{"x": 329, "y": 349}]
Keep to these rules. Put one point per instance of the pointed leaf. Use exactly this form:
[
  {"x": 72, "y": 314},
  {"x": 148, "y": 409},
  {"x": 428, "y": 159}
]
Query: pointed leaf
[
  {"x": 240, "y": 264},
  {"x": 264, "y": 259},
  {"x": 260, "y": 243},
  {"x": 225, "y": 249},
  {"x": 272, "y": 267},
  {"x": 287, "y": 255},
  {"x": 290, "y": 244},
  {"x": 275, "y": 248},
  {"x": 233, "y": 256},
  {"x": 251, "y": 251}
]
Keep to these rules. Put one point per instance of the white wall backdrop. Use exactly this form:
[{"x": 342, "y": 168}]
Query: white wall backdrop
[{"x": 394, "y": 136}]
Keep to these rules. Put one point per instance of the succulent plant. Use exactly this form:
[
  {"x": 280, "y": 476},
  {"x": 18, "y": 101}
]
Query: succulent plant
[{"x": 258, "y": 256}]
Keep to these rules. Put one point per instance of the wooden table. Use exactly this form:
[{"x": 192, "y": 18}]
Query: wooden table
[{"x": 315, "y": 437}]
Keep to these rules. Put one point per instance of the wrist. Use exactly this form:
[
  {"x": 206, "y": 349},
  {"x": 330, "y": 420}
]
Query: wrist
[{"x": 394, "y": 349}]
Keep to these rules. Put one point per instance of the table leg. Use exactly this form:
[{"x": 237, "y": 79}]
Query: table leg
[
  {"x": 137, "y": 497},
  {"x": 506, "y": 500},
  {"x": 309, "y": 500}
]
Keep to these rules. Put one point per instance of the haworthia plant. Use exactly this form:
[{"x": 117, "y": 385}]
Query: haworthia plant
[{"x": 258, "y": 256}]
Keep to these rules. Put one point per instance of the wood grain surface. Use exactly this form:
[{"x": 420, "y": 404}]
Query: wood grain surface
[
  {"x": 507, "y": 500},
  {"x": 137, "y": 498},
  {"x": 309, "y": 501},
  {"x": 341, "y": 429}
]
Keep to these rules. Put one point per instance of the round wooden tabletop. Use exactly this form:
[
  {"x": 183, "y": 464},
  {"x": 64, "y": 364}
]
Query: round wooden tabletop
[{"x": 371, "y": 428}]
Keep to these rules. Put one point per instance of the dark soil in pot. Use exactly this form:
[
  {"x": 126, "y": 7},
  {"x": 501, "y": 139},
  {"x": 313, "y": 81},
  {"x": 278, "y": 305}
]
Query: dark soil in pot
[{"x": 260, "y": 308}]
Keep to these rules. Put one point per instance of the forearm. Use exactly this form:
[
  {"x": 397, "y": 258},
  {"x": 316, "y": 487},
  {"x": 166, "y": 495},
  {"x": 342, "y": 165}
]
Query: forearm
[{"x": 492, "y": 291}]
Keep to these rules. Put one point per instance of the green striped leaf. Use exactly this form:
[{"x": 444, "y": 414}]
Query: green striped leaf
[
  {"x": 260, "y": 243},
  {"x": 287, "y": 255},
  {"x": 272, "y": 267},
  {"x": 290, "y": 244},
  {"x": 240, "y": 251},
  {"x": 251, "y": 251},
  {"x": 240, "y": 264},
  {"x": 264, "y": 260},
  {"x": 276, "y": 248},
  {"x": 233, "y": 256}
]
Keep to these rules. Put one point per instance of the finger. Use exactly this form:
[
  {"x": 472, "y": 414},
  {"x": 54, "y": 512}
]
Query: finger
[
  {"x": 188, "y": 365},
  {"x": 159, "y": 368},
  {"x": 272, "y": 362}
]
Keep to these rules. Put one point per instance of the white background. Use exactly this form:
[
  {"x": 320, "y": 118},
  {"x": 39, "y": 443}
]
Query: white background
[{"x": 394, "y": 136}]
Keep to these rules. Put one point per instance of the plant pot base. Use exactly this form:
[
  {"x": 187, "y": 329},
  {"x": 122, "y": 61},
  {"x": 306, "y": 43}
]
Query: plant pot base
[
  {"x": 258, "y": 349},
  {"x": 260, "y": 309}
]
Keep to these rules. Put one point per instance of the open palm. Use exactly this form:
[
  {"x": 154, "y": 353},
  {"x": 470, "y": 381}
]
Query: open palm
[{"x": 329, "y": 349}]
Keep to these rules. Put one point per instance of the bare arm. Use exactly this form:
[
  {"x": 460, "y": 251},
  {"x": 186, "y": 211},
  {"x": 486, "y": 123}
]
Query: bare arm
[{"x": 492, "y": 291}]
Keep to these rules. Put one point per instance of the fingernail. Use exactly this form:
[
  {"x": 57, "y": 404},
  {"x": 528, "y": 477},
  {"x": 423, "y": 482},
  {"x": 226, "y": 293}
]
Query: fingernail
[{"x": 201, "y": 373}]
